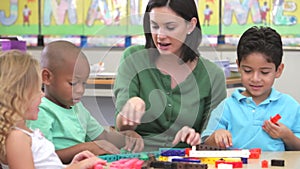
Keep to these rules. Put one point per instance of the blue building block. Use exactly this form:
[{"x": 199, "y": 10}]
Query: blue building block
[
  {"x": 109, "y": 158},
  {"x": 172, "y": 152},
  {"x": 188, "y": 160}
]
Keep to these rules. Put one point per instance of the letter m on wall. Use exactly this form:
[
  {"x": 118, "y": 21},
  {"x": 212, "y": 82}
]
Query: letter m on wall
[
  {"x": 240, "y": 9},
  {"x": 58, "y": 11}
]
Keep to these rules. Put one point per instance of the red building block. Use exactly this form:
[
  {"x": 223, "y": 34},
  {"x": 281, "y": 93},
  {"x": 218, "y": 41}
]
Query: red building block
[
  {"x": 237, "y": 164},
  {"x": 275, "y": 119},
  {"x": 264, "y": 164},
  {"x": 255, "y": 153}
]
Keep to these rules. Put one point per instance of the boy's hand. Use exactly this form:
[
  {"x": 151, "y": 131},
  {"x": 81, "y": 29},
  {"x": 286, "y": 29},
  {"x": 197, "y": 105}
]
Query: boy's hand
[
  {"x": 133, "y": 111},
  {"x": 133, "y": 141},
  {"x": 277, "y": 130},
  {"x": 221, "y": 138},
  {"x": 187, "y": 135},
  {"x": 107, "y": 146}
]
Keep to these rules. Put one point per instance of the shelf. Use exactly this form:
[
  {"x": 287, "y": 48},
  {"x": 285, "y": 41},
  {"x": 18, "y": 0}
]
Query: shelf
[{"x": 110, "y": 81}]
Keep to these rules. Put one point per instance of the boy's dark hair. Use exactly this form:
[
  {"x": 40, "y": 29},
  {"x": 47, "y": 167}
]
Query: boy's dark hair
[
  {"x": 264, "y": 40},
  {"x": 186, "y": 9}
]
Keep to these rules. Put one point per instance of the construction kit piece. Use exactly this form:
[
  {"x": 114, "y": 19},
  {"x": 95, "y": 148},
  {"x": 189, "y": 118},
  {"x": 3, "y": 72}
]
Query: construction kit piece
[
  {"x": 226, "y": 153},
  {"x": 279, "y": 163}
]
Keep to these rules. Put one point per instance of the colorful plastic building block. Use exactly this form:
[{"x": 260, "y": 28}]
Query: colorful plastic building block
[
  {"x": 244, "y": 160},
  {"x": 109, "y": 158},
  {"x": 207, "y": 147},
  {"x": 224, "y": 166},
  {"x": 133, "y": 163},
  {"x": 255, "y": 153},
  {"x": 275, "y": 119},
  {"x": 190, "y": 160},
  {"x": 191, "y": 166},
  {"x": 277, "y": 163},
  {"x": 144, "y": 156},
  {"x": 207, "y": 160},
  {"x": 163, "y": 164},
  {"x": 176, "y": 165},
  {"x": 235, "y": 164},
  {"x": 127, "y": 154},
  {"x": 172, "y": 151},
  {"x": 163, "y": 158},
  {"x": 224, "y": 153},
  {"x": 264, "y": 164}
]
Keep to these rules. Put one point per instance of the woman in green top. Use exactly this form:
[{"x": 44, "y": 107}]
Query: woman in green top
[{"x": 164, "y": 90}]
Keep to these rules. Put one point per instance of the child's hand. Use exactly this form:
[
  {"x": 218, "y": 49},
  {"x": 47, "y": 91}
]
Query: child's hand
[
  {"x": 221, "y": 138},
  {"x": 277, "y": 130},
  {"x": 133, "y": 111},
  {"x": 187, "y": 135},
  {"x": 87, "y": 163},
  {"x": 81, "y": 156},
  {"x": 133, "y": 141},
  {"x": 107, "y": 146}
]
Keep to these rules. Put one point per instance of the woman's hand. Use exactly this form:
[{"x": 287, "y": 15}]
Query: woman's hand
[
  {"x": 187, "y": 135},
  {"x": 132, "y": 112}
]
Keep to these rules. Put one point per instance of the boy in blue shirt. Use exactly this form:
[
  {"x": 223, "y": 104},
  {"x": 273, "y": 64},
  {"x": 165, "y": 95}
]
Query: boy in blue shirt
[
  {"x": 62, "y": 117},
  {"x": 243, "y": 120}
]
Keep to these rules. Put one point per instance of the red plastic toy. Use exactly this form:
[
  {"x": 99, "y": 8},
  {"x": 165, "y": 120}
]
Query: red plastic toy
[
  {"x": 275, "y": 119},
  {"x": 255, "y": 153},
  {"x": 264, "y": 164},
  {"x": 237, "y": 164}
]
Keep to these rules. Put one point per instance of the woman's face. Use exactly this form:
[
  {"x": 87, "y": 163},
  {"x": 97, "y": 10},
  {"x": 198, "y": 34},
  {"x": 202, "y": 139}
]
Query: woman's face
[{"x": 168, "y": 30}]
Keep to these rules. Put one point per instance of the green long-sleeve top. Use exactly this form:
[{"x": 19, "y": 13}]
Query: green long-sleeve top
[{"x": 167, "y": 109}]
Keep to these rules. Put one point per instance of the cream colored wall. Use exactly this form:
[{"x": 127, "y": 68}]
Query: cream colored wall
[{"x": 289, "y": 82}]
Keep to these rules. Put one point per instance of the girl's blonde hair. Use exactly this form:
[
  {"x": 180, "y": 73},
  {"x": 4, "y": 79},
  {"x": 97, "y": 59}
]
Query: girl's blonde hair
[{"x": 19, "y": 78}]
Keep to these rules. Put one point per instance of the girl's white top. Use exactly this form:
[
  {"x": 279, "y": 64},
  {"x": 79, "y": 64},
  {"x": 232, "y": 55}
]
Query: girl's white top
[{"x": 43, "y": 151}]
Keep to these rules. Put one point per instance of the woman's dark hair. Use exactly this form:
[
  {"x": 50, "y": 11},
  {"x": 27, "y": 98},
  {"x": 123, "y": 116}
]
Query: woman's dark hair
[
  {"x": 264, "y": 40},
  {"x": 186, "y": 9}
]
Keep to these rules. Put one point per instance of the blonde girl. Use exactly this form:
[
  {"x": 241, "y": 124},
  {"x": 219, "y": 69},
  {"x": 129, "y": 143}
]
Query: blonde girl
[{"x": 20, "y": 93}]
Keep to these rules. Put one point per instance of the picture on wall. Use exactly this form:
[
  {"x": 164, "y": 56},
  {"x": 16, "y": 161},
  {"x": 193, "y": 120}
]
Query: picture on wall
[
  {"x": 19, "y": 17},
  {"x": 124, "y": 17}
]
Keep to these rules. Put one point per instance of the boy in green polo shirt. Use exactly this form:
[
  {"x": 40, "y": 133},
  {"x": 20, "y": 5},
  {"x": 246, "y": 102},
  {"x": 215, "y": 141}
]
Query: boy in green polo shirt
[{"x": 62, "y": 118}]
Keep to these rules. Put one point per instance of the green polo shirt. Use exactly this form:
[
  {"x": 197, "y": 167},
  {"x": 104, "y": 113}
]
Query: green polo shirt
[
  {"x": 167, "y": 109},
  {"x": 66, "y": 127}
]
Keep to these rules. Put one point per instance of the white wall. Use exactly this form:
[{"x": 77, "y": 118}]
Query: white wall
[{"x": 289, "y": 82}]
